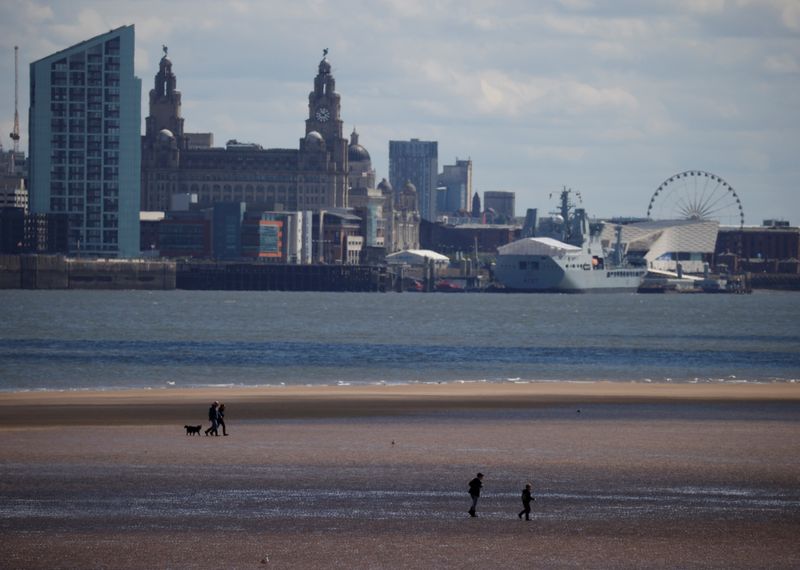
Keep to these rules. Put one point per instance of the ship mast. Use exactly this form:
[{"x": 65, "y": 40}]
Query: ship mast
[{"x": 565, "y": 209}]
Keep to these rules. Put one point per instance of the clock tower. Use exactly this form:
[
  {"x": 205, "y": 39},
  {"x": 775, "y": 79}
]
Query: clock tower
[
  {"x": 324, "y": 106},
  {"x": 324, "y": 117}
]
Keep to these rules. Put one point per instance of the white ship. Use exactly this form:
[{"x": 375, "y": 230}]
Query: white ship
[{"x": 575, "y": 263}]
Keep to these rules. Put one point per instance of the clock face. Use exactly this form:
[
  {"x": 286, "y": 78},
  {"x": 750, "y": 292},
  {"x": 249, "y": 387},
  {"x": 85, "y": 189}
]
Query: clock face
[{"x": 323, "y": 114}]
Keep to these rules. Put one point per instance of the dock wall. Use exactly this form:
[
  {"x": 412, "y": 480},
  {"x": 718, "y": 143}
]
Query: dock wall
[
  {"x": 57, "y": 272},
  {"x": 273, "y": 277}
]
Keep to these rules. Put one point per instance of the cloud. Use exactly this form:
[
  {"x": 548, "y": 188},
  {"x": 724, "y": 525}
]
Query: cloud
[
  {"x": 86, "y": 19},
  {"x": 782, "y": 63},
  {"x": 557, "y": 153},
  {"x": 754, "y": 159},
  {"x": 35, "y": 12},
  {"x": 579, "y": 86},
  {"x": 703, "y": 6},
  {"x": 612, "y": 50}
]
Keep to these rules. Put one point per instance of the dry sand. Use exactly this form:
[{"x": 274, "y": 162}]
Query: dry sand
[{"x": 645, "y": 475}]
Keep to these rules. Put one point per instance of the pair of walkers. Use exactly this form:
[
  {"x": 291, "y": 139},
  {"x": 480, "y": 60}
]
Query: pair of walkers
[
  {"x": 216, "y": 415},
  {"x": 476, "y": 485}
]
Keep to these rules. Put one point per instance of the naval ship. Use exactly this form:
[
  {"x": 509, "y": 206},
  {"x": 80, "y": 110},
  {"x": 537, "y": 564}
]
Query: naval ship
[{"x": 571, "y": 260}]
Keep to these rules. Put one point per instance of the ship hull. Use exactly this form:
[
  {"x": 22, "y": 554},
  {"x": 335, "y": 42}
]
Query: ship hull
[{"x": 575, "y": 274}]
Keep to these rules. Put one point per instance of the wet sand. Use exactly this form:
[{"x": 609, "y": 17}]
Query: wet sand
[{"x": 645, "y": 475}]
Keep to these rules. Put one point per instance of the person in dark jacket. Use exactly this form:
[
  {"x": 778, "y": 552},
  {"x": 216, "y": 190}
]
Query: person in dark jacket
[
  {"x": 213, "y": 417},
  {"x": 221, "y": 418},
  {"x": 527, "y": 497},
  {"x": 475, "y": 491}
]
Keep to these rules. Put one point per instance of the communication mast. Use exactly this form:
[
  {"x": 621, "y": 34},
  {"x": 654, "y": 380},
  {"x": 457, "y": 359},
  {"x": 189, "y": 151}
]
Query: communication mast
[{"x": 15, "y": 133}]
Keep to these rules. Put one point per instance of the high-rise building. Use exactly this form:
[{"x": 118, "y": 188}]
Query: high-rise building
[
  {"x": 502, "y": 203},
  {"x": 84, "y": 154},
  {"x": 456, "y": 179},
  {"x": 417, "y": 162}
]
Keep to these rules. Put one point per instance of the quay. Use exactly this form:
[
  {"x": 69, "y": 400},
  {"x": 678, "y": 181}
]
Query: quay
[
  {"x": 36, "y": 271},
  {"x": 58, "y": 272}
]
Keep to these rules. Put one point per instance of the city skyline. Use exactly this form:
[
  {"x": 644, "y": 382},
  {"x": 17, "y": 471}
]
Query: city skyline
[{"x": 608, "y": 101}]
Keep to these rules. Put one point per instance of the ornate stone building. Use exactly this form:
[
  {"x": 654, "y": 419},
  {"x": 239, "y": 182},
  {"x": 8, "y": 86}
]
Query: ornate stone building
[
  {"x": 312, "y": 177},
  {"x": 325, "y": 173},
  {"x": 401, "y": 210}
]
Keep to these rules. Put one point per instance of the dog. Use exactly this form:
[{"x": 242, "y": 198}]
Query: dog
[{"x": 192, "y": 430}]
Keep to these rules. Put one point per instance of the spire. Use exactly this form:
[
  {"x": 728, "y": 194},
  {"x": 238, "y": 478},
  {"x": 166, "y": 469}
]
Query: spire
[
  {"x": 165, "y": 80},
  {"x": 324, "y": 66},
  {"x": 165, "y": 102}
]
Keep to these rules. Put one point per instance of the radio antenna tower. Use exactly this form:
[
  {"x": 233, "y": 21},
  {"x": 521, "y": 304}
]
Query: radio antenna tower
[{"x": 15, "y": 133}]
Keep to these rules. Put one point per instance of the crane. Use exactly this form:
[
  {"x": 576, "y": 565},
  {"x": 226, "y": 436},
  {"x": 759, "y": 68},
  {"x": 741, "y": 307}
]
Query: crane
[{"x": 15, "y": 133}]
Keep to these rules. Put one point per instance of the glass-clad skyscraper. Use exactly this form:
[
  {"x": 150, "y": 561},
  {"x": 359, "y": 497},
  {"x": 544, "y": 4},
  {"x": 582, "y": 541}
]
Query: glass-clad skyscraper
[
  {"x": 417, "y": 162},
  {"x": 85, "y": 154}
]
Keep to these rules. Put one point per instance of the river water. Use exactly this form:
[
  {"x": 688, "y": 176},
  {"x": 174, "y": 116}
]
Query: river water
[{"x": 66, "y": 340}]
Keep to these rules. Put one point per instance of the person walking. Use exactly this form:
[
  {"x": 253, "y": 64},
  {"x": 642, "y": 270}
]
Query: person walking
[
  {"x": 527, "y": 497},
  {"x": 213, "y": 417},
  {"x": 221, "y": 418},
  {"x": 475, "y": 487}
]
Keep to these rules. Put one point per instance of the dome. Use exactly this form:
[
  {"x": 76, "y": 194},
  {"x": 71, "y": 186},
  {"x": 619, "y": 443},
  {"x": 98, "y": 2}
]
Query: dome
[
  {"x": 409, "y": 188},
  {"x": 314, "y": 141},
  {"x": 357, "y": 153},
  {"x": 385, "y": 187},
  {"x": 165, "y": 135}
]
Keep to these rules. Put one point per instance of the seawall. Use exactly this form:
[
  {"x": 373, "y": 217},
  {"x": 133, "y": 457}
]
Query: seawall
[{"x": 57, "y": 272}]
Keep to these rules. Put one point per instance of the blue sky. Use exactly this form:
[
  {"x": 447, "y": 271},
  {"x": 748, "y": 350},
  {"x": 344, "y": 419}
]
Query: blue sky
[{"x": 609, "y": 98}]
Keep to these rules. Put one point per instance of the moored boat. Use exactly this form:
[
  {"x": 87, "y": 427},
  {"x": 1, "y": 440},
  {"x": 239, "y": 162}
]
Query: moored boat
[{"x": 575, "y": 263}]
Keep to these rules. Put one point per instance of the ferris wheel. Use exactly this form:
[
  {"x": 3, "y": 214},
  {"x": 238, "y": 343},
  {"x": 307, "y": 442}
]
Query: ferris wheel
[{"x": 696, "y": 195}]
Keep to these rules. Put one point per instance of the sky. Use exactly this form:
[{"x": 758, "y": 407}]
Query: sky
[{"x": 608, "y": 98}]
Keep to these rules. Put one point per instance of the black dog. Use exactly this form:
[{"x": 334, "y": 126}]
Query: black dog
[{"x": 192, "y": 430}]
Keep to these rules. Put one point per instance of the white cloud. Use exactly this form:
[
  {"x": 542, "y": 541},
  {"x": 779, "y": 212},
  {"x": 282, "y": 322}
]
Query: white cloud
[
  {"x": 581, "y": 87},
  {"x": 754, "y": 159},
  {"x": 703, "y": 6},
  {"x": 790, "y": 15},
  {"x": 612, "y": 50},
  {"x": 35, "y": 12},
  {"x": 85, "y": 20},
  {"x": 782, "y": 63},
  {"x": 608, "y": 28},
  {"x": 557, "y": 153}
]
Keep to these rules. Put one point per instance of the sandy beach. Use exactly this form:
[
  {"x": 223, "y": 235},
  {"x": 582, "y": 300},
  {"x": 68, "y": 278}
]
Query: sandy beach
[{"x": 624, "y": 475}]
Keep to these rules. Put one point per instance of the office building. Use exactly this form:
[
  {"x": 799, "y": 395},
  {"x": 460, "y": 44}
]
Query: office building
[
  {"x": 13, "y": 193},
  {"x": 417, "y": 162},
  {"x": 455, "y": 180},
  {"x": 84, "y": 154},
  {"x": 226, "y": 229},
  {"x": 501, "y": 204}
]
